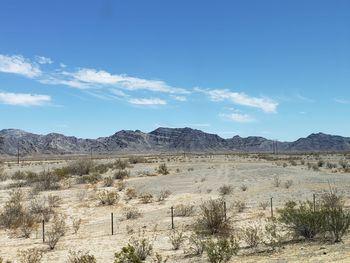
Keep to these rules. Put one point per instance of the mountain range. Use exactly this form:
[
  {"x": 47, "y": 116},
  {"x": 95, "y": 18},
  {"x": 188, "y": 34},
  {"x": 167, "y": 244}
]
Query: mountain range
[{"x": 161, "y": 140}]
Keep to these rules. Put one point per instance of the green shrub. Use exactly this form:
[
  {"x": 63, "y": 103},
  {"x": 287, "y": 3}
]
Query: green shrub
[
  {"x": 13, "y": 211},
  {"x": 142, "y": 245},
  {"x": 119, "y": 164},
  {"x": 121, "y": 174},
  {"x": 221, "y": 250},
  {"x": 127, "y": 255},
  {"x": 176, "y": 238},
  {"x": 302, "y": 219},
  {"x": 81, "y": 167},
  {"x": 212, "y": 218},
  {"x": 108, "y": 181}
]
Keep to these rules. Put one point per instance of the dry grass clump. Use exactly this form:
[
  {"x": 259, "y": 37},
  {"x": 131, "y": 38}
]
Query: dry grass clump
[
  {"x": 130, "y": 193},
  {"x": 131, "y": 213},
  {"x": 163, "y": 169},
  {"x": 177, "y": 238},
  {"x": 81, "y": 257},
  {"x": 226, "y": 189},
  {"x": 164, "y": 194},
  {"x": 146, "y": 198},
  {"x": 107, "y": 197},
  {"x": 288, "y": 184},
  {"x": 183, "y": 210},
  {"x": 32, "y": 255}
]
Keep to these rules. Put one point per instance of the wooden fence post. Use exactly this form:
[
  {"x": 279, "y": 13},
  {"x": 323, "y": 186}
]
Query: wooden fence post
[
  {"x": 43, "y": 227},
  {"x": 314, "y": 197},
  {"x": 172, "y": 217},
  {"x": 225, "y": 211},
  {"x": 271, "y": 208},
  {"x": 112, "y": 224}
]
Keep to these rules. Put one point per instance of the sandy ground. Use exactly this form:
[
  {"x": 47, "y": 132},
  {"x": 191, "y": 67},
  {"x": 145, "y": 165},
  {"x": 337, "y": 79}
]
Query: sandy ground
[{"x": 192, "y": 180}]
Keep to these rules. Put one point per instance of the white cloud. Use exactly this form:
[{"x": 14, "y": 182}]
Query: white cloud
[
  {"x": 265, "y": 104},
  {"x": 19, "y": 65},
  {"x": 154, "y": 101},
  {"x": 23, "y": 99},
  {"x": 179, "y": 98},
  {"x": 118, "y": 93},
  {"x": 237, "y": 117},
  {"x": 63, "y": 65},
  {"x": 43, "y": 60},
  {"x": 342, "y": 101}
]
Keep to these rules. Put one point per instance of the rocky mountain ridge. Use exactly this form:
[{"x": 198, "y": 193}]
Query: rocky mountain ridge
[{"x": 161, "y": 140}]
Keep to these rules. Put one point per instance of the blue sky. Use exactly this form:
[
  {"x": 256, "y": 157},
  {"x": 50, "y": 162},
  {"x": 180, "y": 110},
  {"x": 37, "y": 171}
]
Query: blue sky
[{"x": 278, "y": 69}]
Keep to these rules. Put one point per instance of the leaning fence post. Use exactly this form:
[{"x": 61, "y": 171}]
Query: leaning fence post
[
  {"x": 271, "y": 208},
  {"x": 314, "y": 197},
  {"x": 225, "y": 211},
  {"x": 172, "y": 217},
  {"x": 43, "y": 226},
  {"x": 112, "y": 224}
]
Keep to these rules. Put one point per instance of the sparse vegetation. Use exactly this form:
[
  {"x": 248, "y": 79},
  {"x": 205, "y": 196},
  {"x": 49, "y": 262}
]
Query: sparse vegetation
[
  {"x": 222, "y": 249},
  {"x": 146, "y": 198},
  {"x": 33, "y": 255},
  {"x": 163, "y": 169},
  {"x": 81, "y": 257},
  {"x": 131, "y": 213},
  {"x": 176, "y": 238},
  {"x": 182, "y": 210},
  {"x": 226, "y": 189},
  {"x": 107, "y": 197}
]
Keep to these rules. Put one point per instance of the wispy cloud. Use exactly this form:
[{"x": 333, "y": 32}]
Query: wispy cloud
[
  {"x": 149, "y": 102},
  {"x": 19, "y": 65},
  {"x": 179, "y": 98},
  {"x": 341, "y": 101},
  {"x": 265, "y": 104},
  {"x": 304, "y": 99},
  {"x": 237, "y": 117},
  {"x": 43, "y": 60},
  {"x": 23, "y": 99}
]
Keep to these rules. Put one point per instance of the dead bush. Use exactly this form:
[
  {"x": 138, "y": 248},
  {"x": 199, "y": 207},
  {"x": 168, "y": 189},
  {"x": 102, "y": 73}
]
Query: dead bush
[
  {"x": 226, "y": 189},
  {"x": 107, "y": 197},
  {"x": 182, "y": 210},
  {"x": 176, "y": 238},
  {"x": 32, "y": 255},
  {"x": 81, "y": 257},
  {"x": 131, "y": 213},
  {"x": 146, "y": 198},
  {"x": 244, "y": 187},
  {"x": 130, "y": 193},
  {"x": 164, "y": 194},
  {"x": 163, "y": 169},
  {"x": 264, "y": 205}
]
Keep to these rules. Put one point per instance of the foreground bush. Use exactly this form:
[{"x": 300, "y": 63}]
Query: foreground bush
[
  {"x": 107, "y": 197},
  {"x": 30, "y": 256},
  {"x": 13, "y": 211},
  {"x": 80, "y": 257},
  {"x": 221, "y": 250},
  {"x": 127, "y": 255},
  {"x": 212, "y": 218}
]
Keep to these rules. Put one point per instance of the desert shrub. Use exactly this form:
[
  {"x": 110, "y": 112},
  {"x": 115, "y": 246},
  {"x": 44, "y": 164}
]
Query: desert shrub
[
  {"x": 40, "y": 209},
  {"x": 240, "y": 205},
  {"x": 108, "y": 181},
  {"x": 244, "y": 187},
  {"x": 52, "y": 238},
  {"x": 293, "y": 162},
  {"x": 53, "y": 201},
  {"x": 331, "y": 165},
  {"x": 28, "y": 224},
  {"x": 130, "y": 193},
  {"x": 120, "y": 185},
  {"x": 264, "y": 205},
  {"x": 273, "y": 234},
  {"x": 100, "y": 168},
  {"x": 32, "y": 255},
  {"x": 107, "y": 197},
  {"x": 81, "y": 167},
  {"x": 131, "y": 213},
  {"x": 137, "y": 159},
  {"x": 197, "y": 244},
  {"x": 127, "y": 255},
  {"x": 182, "y": 210},
  {"x": 315, "y": 167},
  {"x": 89, "y": 178},
  {"x": 212, "y": 218},
  {"x": 164, "y": 194},
  {"x": 302, "y": 219},
  {"x": 120, "y": 164},
  {"x": 320, "y": 163},
  {"x": 13, "y": 211},
  {"x": 4, "y": 261},
  {"x": 121, "y": 174},
  {"x": 19, "y": 175},
  {"x": 226, "y": 189},
  {"x": 56, "y": 231},
  {"x": 159, "y": 259},
  {"x": 62, "y": 172},
  {"x": 163, "y": 169},
  {"x": 44, "y": 181},
  {"x": 176, "y": 238},
  {"x": 251, "y": 235},
  {"x": 76, "y": 222},
  {"x": 288, "y": 184},
  {"x": 221, "y": 250},
  {"x": 81, "y": 257},
  {"x": 146, "y": 198},
  {"x": 276, "y": 181},
  {"x": 337, "y": 219},
  {"x": 143, "y": 246}
]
